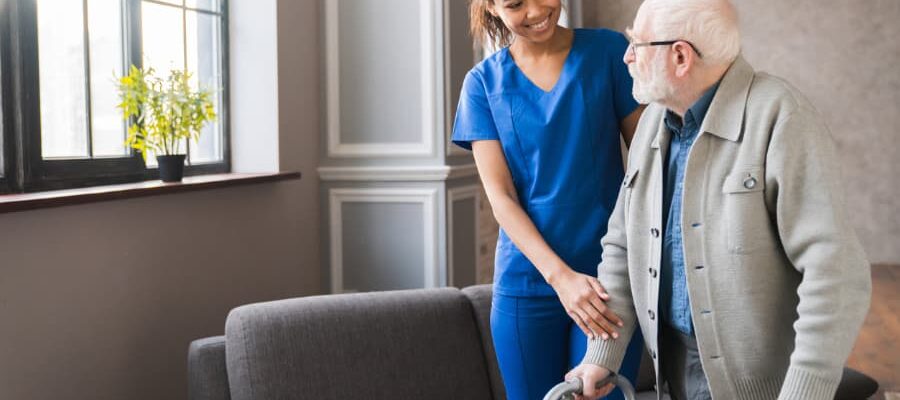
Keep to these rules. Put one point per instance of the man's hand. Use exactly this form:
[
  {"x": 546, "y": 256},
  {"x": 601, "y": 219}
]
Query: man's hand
[{"x": 590, "y": 374}]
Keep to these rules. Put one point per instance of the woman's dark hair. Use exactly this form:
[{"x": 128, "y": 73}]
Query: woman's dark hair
[{"x": 485, "y": 27}]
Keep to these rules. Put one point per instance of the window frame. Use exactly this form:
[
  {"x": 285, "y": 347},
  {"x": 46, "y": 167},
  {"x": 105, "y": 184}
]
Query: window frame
[{"x": 23, "y": 167}]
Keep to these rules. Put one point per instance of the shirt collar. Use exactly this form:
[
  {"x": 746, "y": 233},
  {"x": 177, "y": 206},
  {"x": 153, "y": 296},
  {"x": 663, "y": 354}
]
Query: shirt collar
[
  {"x": 694, "y": 115},
  {"x": 725, "y": 118}
]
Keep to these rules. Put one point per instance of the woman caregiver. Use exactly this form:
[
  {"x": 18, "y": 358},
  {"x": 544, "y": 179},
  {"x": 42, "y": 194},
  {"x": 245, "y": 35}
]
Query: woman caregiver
[{"x": 543, "y": 117}]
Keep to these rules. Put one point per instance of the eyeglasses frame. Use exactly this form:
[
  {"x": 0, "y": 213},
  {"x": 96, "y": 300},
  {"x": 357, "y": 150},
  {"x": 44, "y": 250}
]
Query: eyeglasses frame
[{"x": 634, "y": 46}]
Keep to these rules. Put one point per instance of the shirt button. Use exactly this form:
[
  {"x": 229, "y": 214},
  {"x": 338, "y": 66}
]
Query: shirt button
[
  {"x": 654, "y": 232},
  {"x": 750, "y": 183},
  {"x": 652, "y": 272},
  {"x": 652, "y": 315},
  {"x": 653, "y": 354}
]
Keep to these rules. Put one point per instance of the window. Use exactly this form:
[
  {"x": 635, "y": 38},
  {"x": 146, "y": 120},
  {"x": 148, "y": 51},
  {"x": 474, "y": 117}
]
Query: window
[
  {"x": 80, "y": 50},
  {"x": 185, "y": 35},
  {"x": 59, "y": 61}
]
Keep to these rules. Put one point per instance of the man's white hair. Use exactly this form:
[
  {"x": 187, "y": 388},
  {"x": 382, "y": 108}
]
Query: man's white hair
[{"x": 710, "y": 25}]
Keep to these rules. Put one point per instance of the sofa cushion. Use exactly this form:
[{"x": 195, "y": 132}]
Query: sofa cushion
[{"x": 417, "y": 344}]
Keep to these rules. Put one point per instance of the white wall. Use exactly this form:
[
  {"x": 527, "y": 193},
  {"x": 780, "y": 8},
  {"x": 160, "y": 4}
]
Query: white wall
[{"x": 254, "y": 85}]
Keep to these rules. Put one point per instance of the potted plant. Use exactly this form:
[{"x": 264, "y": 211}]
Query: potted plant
[{"x": 163, "y": 113}]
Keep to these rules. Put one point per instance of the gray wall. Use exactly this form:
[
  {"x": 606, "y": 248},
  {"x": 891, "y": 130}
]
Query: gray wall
[
  {"x": 383, "y": 246},
  {"x": 100, "y": 301},
  {"x": 378, "y": 72},
  {"x": 843, "y": 55}
]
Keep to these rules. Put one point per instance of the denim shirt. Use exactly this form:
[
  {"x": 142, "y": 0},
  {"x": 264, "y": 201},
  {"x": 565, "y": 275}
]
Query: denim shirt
[{"x": 675, "y": 306}]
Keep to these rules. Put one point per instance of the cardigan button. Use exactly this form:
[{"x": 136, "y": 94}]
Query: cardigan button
[{"x": 750, "y": 183}]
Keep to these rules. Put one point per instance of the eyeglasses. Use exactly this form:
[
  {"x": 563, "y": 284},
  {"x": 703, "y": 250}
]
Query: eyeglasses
[{"x": 633, "y": 46}]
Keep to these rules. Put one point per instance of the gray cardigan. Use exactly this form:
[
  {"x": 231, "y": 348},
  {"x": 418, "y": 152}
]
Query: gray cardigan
[{"x": 778, "y": 282}]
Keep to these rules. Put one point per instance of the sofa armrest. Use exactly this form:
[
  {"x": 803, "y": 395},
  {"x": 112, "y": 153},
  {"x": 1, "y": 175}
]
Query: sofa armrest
[
  {"x": 855, "y": 385},
  {"x": 207, "y": 374},
  {"x": 481, "y": 296}
]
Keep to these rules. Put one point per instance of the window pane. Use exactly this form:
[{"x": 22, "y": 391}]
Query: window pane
[
  {"x": 62, "y": 78},
  {"x": 163, "y": 43},
  {"x": 175, "y": 2},
  {"x": 208, "y": 5},
  {"x": 105, "y": 32},
  {"x": 203, "y": 62},
  {"x": 163, "y": 38},
  {"x": 166, "y": 32}
]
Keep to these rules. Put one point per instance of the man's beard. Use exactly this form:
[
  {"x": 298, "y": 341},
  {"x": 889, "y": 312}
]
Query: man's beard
[{"x": 654, "y": 87}]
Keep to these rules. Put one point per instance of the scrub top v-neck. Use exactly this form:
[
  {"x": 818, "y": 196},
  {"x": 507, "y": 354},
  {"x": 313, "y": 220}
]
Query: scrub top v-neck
[{"x": 561, "y": 146}]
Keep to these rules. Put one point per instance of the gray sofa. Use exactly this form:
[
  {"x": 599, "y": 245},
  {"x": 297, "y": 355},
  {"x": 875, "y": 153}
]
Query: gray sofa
[{"x": 414, "y": 344}]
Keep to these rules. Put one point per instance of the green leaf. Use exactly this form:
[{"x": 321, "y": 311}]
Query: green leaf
[{"x": 162, "y": 112}]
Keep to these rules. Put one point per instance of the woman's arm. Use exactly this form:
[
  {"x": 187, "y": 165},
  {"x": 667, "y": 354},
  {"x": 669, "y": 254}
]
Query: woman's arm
[
  {"x": 581, "y": 295},
  {"x": 629, "y": 124}
]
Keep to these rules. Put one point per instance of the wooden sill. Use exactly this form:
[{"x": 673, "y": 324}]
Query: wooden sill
[{"x": 58, "y": 198}]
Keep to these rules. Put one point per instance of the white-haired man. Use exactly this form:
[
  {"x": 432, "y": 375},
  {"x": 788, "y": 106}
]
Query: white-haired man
[{"x": 729, "y": 245}]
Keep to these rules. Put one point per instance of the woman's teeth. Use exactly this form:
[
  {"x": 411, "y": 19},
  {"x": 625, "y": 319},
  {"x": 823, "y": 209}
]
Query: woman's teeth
[{"x": 541, "y": 25}]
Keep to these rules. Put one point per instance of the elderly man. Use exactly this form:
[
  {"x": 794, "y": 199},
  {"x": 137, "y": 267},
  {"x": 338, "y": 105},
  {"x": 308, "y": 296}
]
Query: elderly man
[{"x": 730, "y": 244}]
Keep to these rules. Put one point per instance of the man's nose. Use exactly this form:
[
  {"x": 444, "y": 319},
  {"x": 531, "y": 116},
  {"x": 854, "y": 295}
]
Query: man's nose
[{"x": 628, "y": 58}]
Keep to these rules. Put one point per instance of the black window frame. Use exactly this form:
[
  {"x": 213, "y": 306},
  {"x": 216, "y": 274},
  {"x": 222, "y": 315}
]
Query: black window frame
[{"x": 23, "y": 167}]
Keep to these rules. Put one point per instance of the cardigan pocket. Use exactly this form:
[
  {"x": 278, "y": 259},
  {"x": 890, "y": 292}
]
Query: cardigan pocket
[{"x": 749, "y": 226}]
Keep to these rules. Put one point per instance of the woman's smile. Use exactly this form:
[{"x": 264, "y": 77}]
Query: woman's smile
[{"x": 542, "y": 25}]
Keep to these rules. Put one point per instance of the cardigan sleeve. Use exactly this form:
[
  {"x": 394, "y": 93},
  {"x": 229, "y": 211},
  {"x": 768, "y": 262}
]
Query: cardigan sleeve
[
  {"x": 819, "y": 241},
  {"x": 613, "y": 275}
]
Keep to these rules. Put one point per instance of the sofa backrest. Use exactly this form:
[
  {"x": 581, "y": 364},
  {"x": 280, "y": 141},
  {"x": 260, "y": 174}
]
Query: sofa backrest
[{"x": 416, "y": 344}]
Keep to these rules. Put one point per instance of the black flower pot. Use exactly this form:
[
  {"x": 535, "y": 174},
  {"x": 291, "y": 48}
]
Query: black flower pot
[{"x": 171, "y": 168}]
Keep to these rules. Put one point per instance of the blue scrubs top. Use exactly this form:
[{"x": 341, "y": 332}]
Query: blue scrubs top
[{"x": 562, "y": 148}]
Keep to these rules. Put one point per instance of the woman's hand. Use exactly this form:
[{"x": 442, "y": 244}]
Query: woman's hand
[{"x": 584, "y": 300}]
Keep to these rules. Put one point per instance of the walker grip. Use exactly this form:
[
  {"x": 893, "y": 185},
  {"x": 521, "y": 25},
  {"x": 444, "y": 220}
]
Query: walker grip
[{"x": 567, "y": 390}]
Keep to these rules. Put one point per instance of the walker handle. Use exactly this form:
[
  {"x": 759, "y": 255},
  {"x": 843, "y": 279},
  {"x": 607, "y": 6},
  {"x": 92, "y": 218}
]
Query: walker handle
[{"x": 567, "y": 390}]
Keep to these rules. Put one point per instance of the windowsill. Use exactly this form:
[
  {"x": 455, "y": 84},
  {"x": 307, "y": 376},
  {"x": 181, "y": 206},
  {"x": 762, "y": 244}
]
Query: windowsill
[{"x": 58, "y": 198}]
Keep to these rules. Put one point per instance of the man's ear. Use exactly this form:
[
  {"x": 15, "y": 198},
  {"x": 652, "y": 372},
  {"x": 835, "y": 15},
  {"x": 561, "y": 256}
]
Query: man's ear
[{"x": 683, "y": 58}]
